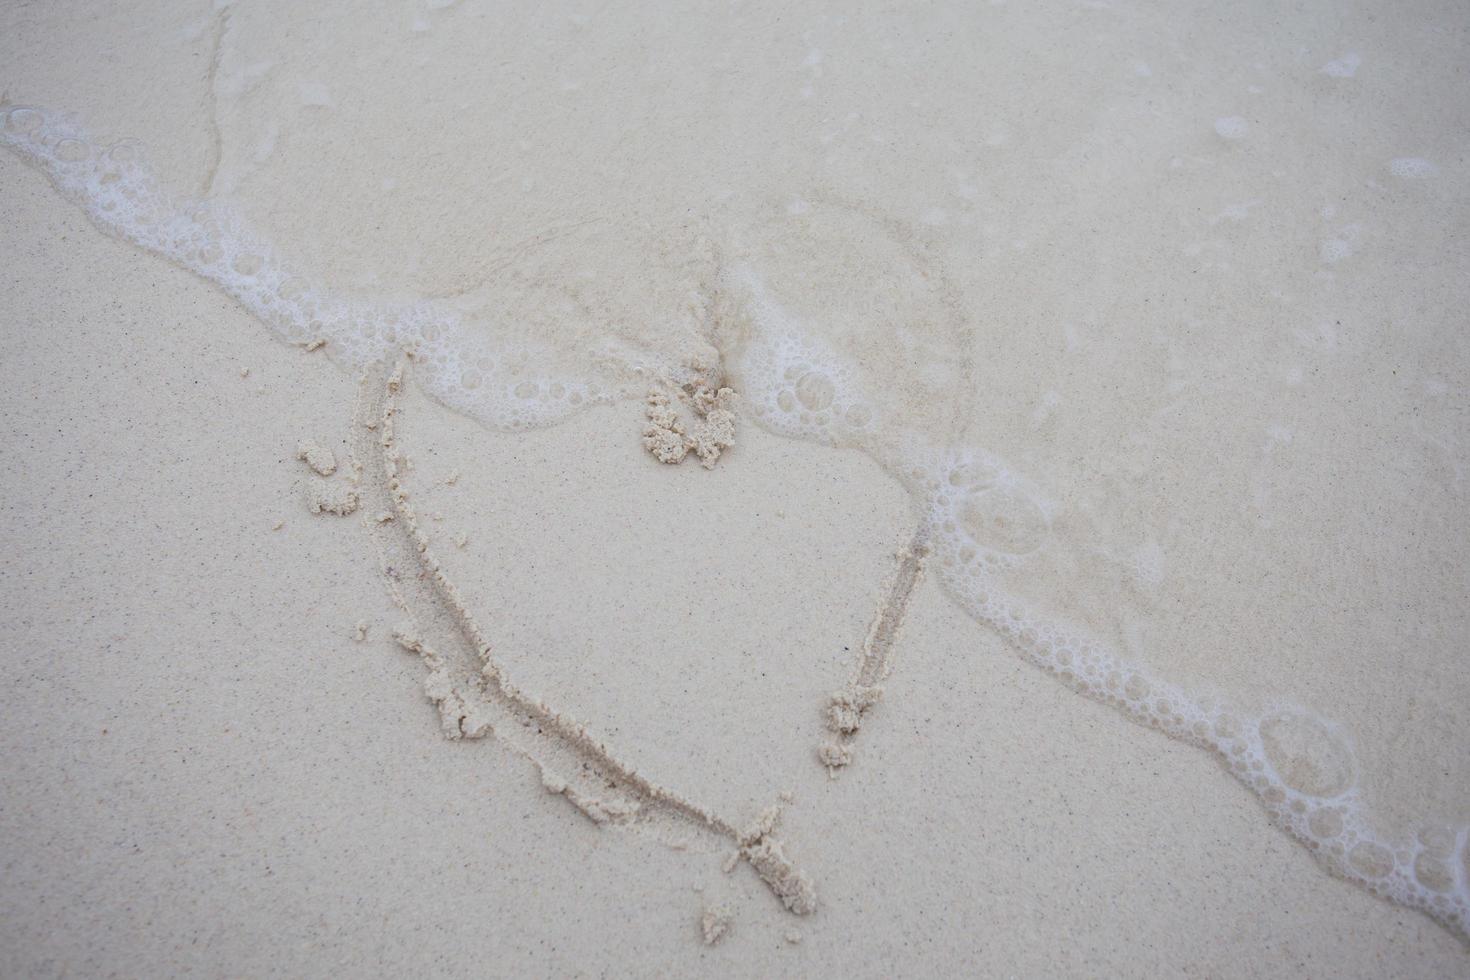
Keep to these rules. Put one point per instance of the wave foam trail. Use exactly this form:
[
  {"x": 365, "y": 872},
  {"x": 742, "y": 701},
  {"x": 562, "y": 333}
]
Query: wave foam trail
[{"x": 506, "y": 386}]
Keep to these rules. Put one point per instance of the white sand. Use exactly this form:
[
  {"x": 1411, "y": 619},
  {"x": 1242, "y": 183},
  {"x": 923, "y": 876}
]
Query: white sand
[{"x": 1201, "y": 280}]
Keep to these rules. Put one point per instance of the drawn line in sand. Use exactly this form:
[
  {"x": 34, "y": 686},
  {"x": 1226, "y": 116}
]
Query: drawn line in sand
[
  {"x": 845, "y": 709},
  {"x": 475, "y": 698}
]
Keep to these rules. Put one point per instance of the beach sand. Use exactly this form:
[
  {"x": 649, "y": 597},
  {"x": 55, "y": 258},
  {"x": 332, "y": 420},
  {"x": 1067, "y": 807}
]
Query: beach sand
[{"x": 1214, "y": 331}]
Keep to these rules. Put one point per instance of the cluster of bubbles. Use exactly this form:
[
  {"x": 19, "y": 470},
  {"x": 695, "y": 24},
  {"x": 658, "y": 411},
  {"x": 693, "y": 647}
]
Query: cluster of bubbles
[
  {"x": 505, "y": 386},
  {"x": 980, "y": 511},
  {"x": 982, "y": 518},
  {"x": 795, "y": 385}
]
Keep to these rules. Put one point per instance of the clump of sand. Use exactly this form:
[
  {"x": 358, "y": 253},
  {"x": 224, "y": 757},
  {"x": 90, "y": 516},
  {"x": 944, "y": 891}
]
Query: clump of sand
[
  {"x": 709, "y": 435},
  {"x": 759, "y": 846},
  {"x": 319, "y": 458},
  {"x": 715, "y": 923}
]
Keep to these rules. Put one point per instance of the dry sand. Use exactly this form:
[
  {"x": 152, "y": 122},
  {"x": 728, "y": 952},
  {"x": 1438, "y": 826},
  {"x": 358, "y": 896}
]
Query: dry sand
[{"x": 1201, "y": 282}]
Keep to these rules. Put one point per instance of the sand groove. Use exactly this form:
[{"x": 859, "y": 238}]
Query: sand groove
[
  {"x": 211, "y": 98},
  {"x": 846, "y": 708}
]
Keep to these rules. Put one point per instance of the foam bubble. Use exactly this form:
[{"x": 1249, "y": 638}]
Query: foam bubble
[
  {"x": 22, "y": 121},
  {"x": 1306, "y": 755},
  {"x": 981, "y": 513},
  {"x": 1433, "y": 872},
  {"x": 1003, "y": 519},
  {"x": 71, "y": 150},
  {"x": 815, "y": 391},
  {"x": 1371, "y": 860},
  {"x": 1325, "y": 824}
]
